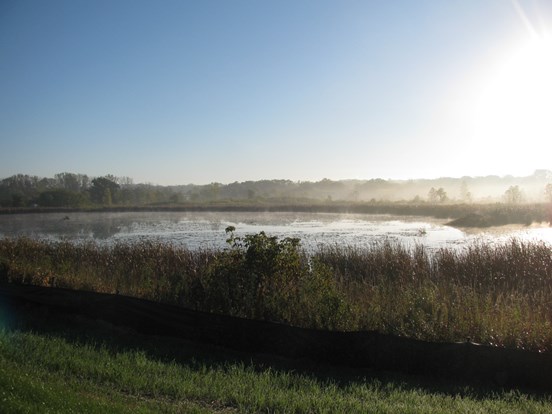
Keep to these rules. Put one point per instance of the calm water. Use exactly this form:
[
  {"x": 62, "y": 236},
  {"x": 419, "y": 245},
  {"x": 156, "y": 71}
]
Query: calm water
[{"x": 206, "y": 230}]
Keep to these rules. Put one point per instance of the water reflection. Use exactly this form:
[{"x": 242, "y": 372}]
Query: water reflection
[
  {"x": 206, "y": 230},
  {"x": 60, "y": 226}
]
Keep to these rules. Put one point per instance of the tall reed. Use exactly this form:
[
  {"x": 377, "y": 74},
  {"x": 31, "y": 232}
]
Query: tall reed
[{"x": 494, "y": 294}]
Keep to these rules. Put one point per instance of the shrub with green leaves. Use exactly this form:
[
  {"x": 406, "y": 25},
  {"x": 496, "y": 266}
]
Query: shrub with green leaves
[{"x": 262, "y": 277}]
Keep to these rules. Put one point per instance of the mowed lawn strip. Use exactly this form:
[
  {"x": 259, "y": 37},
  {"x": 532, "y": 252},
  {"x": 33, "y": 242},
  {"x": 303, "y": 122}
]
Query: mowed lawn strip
[{"x": 52, "y": 372}]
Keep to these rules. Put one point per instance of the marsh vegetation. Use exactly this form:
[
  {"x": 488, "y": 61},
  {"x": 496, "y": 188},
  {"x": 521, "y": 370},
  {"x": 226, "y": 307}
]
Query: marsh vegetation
[{"x": 492, "y": 294}]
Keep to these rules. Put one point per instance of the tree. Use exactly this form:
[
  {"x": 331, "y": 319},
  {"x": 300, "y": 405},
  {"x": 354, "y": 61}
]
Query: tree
[
  {"x": 215, "y": 190},
  {"x": 18, "y": 190},
  {"x": 60, "y": 198},
  {"x": 548, "y": 192},
  {"x": 432, "y": 195},
  {"x": 513, "y": 195},
  {"x": 437, "y": 196},
  {"x": 465, "y": 194},
  {"x": 71, "y": 182},
  {"x": 68, "y": 181},
  {"x": 103, "y": 191}
]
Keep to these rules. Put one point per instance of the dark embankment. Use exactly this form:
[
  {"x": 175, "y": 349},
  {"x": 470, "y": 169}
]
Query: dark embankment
[{"x": 467, "y": 361}]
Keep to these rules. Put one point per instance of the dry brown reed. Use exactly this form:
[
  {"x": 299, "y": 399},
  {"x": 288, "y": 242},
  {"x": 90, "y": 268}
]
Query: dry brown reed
[{"x": 494, "y": 294}]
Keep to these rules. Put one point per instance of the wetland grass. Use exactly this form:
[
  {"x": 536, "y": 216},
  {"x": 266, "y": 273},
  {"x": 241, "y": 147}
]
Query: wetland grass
[{"x": 492, "y": 294}]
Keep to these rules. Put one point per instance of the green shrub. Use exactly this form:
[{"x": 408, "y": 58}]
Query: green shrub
[{"x": 262, "y": 277}]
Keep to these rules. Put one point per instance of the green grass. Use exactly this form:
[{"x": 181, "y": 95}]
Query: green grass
[{"x": 63, "y": 364}]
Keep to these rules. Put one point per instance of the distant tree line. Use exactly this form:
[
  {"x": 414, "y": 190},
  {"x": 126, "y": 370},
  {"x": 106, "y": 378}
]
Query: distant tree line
[{"x": 79, "y": 190}]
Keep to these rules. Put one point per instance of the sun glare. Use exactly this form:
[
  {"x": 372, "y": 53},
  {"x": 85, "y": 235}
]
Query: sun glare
[{"x": 515, "y": 106}]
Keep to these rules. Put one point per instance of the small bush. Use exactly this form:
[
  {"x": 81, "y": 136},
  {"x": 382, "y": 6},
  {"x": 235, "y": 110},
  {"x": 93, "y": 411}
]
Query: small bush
[{"x": 262, "y": 277}]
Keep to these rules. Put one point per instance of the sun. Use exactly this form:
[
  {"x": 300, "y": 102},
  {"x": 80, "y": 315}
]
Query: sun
[{"x": 515, "y": 105}]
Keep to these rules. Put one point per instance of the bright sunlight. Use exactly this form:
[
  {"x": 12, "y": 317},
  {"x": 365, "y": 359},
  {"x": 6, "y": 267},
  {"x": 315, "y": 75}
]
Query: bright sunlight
[{"x": 515, "y": 107}]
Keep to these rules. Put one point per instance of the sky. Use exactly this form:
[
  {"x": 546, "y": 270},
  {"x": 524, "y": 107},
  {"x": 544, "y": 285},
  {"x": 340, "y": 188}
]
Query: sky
[{"x": 177, "y": 92}]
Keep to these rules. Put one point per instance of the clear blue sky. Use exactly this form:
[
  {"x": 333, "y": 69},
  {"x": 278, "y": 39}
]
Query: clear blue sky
[{"x": 175, "y": 92}]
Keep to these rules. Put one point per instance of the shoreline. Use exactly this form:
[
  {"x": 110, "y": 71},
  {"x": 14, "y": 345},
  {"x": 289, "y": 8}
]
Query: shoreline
[{"x": 458, "y": 215}]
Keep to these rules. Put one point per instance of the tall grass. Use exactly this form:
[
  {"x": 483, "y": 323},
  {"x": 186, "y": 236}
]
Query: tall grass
[
  {"x": 493, "y": 294},
  {"x": 149, "y": 270}
]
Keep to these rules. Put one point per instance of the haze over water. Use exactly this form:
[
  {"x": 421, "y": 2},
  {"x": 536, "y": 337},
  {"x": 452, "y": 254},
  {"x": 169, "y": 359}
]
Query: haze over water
[{"x": 207, "y": 230}]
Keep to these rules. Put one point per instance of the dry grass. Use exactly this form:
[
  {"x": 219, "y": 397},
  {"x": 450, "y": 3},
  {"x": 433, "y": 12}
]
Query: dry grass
[{"x": 492, "y": 294}]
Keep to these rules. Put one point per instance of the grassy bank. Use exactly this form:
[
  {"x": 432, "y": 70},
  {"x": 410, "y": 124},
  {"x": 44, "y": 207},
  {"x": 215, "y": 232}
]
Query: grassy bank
[
  {"x": 63, "y": 364},
  {"x": 498, "y": 295}
]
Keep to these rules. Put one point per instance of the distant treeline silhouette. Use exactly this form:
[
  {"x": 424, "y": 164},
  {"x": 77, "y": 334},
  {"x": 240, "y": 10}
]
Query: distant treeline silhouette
[{"x": 79, "y": 190}]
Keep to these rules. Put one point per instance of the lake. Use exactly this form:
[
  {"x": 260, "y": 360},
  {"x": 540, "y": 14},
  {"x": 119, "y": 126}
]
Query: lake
[{"x": 197, "y": 230}]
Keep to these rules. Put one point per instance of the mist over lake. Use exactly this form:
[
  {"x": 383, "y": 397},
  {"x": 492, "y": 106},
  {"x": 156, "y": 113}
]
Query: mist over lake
[{"x": 196, "y": 230}]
